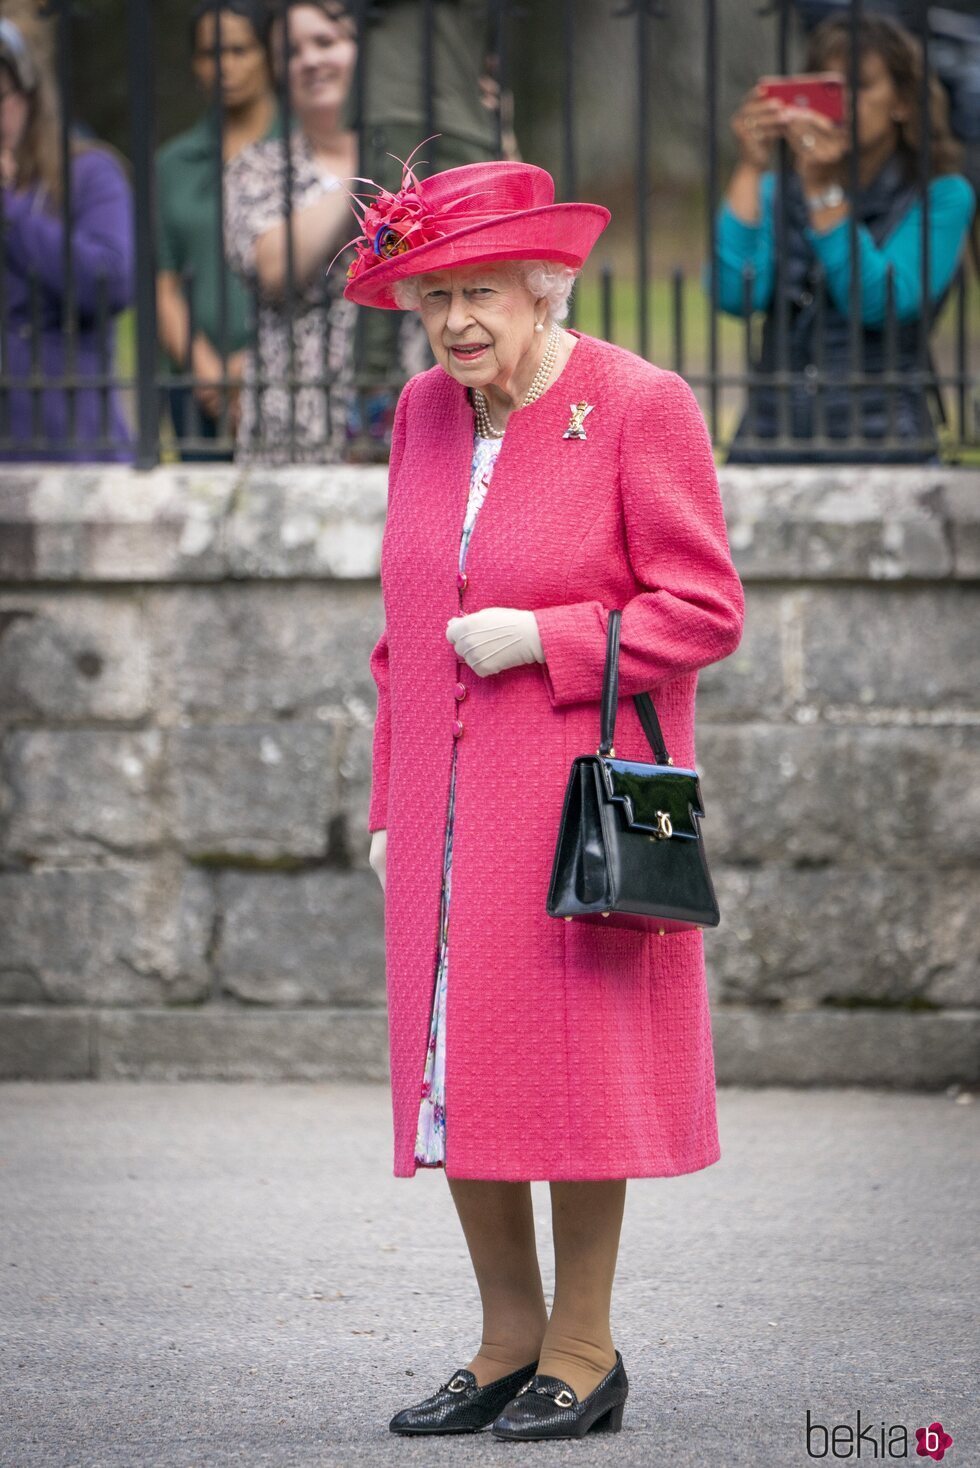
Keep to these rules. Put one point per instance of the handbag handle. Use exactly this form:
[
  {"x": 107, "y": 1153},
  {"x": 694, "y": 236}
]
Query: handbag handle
[{"x": 643, "y": 701}]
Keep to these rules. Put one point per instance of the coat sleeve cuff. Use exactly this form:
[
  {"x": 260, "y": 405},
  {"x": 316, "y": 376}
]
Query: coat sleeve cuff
[
  {"x": 378, "y": 803},
  {"x": 573, "y": 639},
  {"x": 381, "y": 741}
]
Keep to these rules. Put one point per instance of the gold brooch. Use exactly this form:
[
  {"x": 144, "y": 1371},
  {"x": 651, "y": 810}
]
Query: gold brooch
[{"x": 576, "y": 424}]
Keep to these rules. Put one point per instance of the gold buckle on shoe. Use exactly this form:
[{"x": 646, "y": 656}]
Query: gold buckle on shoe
[
  {"x": 562, "y": 1398},
  {"x": 458, "y": 1384}
]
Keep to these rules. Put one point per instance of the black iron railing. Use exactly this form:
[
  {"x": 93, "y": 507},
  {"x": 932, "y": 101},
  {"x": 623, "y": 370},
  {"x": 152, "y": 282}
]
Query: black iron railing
[{"x": 629, "y": 291}]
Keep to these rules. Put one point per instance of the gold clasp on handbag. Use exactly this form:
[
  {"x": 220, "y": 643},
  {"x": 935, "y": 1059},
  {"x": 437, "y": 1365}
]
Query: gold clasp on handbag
[{"x": 664, "y": 827}]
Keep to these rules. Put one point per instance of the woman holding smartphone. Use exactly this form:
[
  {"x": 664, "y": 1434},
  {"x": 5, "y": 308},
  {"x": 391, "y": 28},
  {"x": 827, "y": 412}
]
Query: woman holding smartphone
[{"x": 816, "y": 274}]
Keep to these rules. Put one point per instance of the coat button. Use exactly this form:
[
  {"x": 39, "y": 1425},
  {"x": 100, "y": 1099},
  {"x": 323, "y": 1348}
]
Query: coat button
[
  {"x": 457, "y": 728},
  {"x": 462, "y": 580},
  {"x": 459, "y": 692}
]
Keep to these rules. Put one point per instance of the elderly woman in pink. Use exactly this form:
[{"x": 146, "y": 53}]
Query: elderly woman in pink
[{"x": 539, "y": 479}]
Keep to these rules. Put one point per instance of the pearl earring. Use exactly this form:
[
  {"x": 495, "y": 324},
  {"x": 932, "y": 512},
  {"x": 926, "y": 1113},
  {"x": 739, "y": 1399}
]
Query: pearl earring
[{"x": 539, "y": 326}]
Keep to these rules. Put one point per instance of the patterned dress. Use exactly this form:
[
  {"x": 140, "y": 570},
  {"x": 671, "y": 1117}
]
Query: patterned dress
[
  {"x": 430, "y": 1140},
  {"x": 313, "y": 337}
]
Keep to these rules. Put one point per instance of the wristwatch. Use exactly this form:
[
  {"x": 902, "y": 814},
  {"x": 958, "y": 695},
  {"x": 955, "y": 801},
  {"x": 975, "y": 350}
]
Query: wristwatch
[{"x": 831, "y": 198}]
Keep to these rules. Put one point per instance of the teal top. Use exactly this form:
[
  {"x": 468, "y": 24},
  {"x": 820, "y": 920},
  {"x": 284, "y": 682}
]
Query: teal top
[
  {"x": 187, "y": 230},
  {"x": 951, "y": 208}
]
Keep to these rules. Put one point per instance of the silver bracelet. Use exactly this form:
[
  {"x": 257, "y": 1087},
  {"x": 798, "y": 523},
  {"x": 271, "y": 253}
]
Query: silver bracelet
[{"x": 831, "y": 198}]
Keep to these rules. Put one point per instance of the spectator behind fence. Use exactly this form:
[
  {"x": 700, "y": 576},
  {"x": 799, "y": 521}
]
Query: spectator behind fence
[
  {"x": 192, "y": 272},
  {"x": 889, "y": 221},
  {"x": 57, "y": 324},
  {"x": 392, "y": 114},
  {"x": 304, "y": 332}
]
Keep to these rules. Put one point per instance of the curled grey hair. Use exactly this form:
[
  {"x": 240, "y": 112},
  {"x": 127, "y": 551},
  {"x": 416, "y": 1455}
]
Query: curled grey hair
[{"x": 547, "y": 279}]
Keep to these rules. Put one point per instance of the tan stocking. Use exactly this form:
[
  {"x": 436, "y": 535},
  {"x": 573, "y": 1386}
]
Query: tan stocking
[
  {"x": 586, "y": 1219},
  {"x": 498, "y": 1224}
]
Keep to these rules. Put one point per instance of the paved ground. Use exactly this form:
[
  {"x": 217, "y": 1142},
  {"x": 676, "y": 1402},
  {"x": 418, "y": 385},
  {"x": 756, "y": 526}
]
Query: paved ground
[{"x": 206, "y": 1275}]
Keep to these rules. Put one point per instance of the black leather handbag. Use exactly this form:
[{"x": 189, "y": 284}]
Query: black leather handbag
[{"x": 629, "y": 850}]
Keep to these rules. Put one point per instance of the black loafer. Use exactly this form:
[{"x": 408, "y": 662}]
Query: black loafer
[
  {"x": 461, "y": 1405},
  {"x": 547, "y": 1407}
]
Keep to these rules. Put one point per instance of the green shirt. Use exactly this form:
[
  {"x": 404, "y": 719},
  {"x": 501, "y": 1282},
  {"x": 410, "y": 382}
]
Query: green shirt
[{"x": 187, "y": 231}]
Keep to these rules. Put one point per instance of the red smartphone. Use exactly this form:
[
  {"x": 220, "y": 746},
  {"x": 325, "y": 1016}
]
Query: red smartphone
[{"x": 820, "y": 91}]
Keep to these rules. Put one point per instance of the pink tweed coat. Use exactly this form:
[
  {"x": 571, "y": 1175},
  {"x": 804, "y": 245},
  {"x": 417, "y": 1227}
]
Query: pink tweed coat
[{"x": 572, "y": 1051}]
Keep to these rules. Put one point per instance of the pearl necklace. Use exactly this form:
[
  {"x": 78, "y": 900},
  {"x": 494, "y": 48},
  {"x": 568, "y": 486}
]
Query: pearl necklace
[{"x": 538, "y": 384}]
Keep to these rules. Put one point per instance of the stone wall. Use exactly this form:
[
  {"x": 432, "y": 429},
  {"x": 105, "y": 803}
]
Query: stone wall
[{"x": 186, "y": 722}]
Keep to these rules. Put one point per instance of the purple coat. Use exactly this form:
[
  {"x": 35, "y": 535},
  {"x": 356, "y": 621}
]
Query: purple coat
[{"x": 102, "y": 246}]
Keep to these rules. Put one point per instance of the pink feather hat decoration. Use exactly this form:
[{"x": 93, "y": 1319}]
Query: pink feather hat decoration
[{"x": 464, "y": 216}]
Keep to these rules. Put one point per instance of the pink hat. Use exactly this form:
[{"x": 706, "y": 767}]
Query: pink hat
[{"x": 463, "y": 216}]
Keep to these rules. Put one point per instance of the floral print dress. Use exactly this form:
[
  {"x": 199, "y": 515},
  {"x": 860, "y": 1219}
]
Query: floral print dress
[
  {"x": 430, "y": 1139},
  {"x": 311, "y": 338}
]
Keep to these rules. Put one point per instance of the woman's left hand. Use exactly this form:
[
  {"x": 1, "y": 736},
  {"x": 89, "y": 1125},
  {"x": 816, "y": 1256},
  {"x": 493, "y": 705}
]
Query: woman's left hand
[
  {"x": 818, "y": 145},
  {"x": 495, "y": 639}
]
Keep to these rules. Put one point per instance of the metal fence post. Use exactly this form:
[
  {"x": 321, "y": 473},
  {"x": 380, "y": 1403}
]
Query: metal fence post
[{"x": 140, "y": 69}]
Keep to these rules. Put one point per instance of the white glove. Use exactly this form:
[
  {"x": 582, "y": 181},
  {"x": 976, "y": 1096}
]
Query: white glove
[
  {"x": 376, "y": 856},
  {"x": 495, "y": 639}
]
